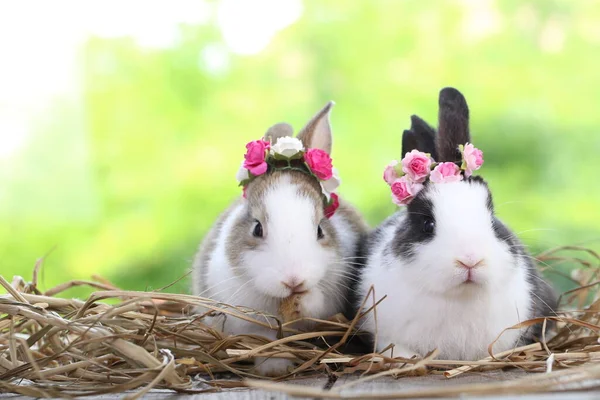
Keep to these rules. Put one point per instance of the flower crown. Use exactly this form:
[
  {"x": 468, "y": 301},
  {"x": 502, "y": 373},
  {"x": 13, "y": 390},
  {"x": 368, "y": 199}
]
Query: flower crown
[
  {"x": 407, "y": 177},
  {"x": 289, "y": 154}
]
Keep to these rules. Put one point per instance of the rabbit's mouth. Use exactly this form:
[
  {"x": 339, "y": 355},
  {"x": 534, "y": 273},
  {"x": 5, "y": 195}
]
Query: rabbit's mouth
[
  {"x": 470, "y": 278},
  {"x": 299, "y": 292},
  {"x": 467, "y": 279}
]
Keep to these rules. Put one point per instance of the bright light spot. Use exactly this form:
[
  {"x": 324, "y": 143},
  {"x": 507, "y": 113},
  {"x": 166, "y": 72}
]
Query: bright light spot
[
  {"x": 589, "y": 28},
  {"x": 249, "y": 26},
  {"x": 40, "y": 42},
  {"x": 13, "y": 132},
  {"x": 481, "y": 19},
  {"x": 552, "y": 37},
  {"x": 526, "y": 18},
  {"x": 152, "y": 24},
  {"x": 214, "y": 59}
]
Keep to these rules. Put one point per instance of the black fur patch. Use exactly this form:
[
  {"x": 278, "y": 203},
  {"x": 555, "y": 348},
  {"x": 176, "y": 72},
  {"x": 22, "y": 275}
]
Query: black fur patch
[
  {"x": 453, "y": 124},
  {"x": 411, "y": 232},
  {"x": 409, "y": 142},
  {"x": 426, "y": 136},
  {"x": 505, "y": 235},
  {"x": 544, "y": 297}
]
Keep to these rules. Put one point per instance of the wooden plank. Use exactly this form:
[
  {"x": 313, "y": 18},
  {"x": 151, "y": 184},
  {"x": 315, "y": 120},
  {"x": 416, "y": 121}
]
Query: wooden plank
[{"x": 377, "y": 386}]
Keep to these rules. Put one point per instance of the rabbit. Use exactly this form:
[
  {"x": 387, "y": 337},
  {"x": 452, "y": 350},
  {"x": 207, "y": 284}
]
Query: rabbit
[
  {"x": 454, "y": 275},
  {"x": 276, "y": 244}
]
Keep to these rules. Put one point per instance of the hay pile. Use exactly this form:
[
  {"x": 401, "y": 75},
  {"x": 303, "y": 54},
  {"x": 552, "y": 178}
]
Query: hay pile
[{"x": 51, "y": 346}]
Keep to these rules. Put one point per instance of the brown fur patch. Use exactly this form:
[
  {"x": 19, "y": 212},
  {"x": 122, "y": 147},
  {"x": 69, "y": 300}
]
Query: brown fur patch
[
  {"x": 241, "y": 240},
  {"x": 206, "y": 250},
  {"x": 308, "y": 186},
  {"x": 351, "y": 214}
]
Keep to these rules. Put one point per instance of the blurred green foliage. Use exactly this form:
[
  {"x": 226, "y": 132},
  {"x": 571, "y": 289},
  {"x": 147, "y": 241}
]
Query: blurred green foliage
[{"x": 126, "y": 183}]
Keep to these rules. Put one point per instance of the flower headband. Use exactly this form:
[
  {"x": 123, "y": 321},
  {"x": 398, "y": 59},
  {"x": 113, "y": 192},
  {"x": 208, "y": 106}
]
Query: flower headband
[
  {"x": 289, "y": 154},
  {"x": 406, "y": 178}
]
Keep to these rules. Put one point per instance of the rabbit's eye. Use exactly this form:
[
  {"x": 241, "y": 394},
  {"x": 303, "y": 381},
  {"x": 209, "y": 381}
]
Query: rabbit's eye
[
  {"x": 320, "y": 234},
  {"x": 258, "y": 230},
  {"x": 428, "y": 225}
]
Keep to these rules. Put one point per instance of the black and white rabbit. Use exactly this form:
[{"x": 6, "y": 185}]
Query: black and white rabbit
[
  {"x": 455, "y": 276},
  {"x": 277, "y": 243}
]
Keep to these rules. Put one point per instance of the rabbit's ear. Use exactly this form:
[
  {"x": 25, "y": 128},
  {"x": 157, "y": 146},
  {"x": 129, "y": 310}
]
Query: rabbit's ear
[
  {"x": 409, "y": 142},
  {"x": 453, "y": 129},
  {"x": 425, "y": 136},
  {"x": 277, "y": 131},
  {"x": 317, "y": 132}
]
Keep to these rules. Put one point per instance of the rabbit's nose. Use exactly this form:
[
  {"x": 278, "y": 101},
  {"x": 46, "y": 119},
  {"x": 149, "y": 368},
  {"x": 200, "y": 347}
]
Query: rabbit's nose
[
  {"x": 295, "y": 284},
  {"x": 469, "y": 262}
]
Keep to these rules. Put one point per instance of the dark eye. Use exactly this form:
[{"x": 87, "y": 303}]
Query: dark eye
[
  {"x": 320, "y": 234},
  {"x": 258, "y": 231},
  {"x": 428, "y": 225}
]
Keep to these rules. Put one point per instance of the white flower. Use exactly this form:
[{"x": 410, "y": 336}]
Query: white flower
[
  {"x": 242, "y": 174},
  {"x": 287, "y": 146},
  {"x": 330, "y": 185}
]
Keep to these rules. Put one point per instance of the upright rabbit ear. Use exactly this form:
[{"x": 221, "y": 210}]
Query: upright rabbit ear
[
  {"x": 409, "y": 142},
  {"x": 277, "y": 131},
  {"x": 425, "y": 136},
  {"x": 317, "y": 133},
  {"x": 453, "y": 122}
]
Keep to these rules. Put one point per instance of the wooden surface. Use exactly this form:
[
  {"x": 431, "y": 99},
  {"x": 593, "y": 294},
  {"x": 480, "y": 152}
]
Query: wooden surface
[{"x": 365, "y": 389}]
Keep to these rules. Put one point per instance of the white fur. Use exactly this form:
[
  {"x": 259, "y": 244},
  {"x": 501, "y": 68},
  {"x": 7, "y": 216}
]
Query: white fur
[
  {"x": 428, "y": 305},
  {"x": 290, "y": 250}
]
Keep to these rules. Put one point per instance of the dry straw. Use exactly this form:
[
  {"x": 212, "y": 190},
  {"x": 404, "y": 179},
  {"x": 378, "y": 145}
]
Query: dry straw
[{"x": 57, "y": 347}]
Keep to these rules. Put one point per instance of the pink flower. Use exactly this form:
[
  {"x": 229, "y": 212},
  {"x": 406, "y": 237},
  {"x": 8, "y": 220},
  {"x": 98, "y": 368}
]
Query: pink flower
[
  {"x": 416, "y": 165},
  {"x": 472, "y": 159},
  {"x": 445, "y": 172},
  {"x": 332, "y": 206},
  {"x": 319, "y": 163},
  {"x": 256, "y": 151},
  {"x": 404, "y": 190},
  {"x": 390, "y": 174}
]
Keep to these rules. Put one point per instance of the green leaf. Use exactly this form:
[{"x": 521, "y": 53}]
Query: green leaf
[{"x": 398, "y": 169}]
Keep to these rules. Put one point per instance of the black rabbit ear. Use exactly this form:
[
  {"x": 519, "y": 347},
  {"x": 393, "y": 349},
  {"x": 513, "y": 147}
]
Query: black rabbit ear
[
  {"x": 453, "y": 129},
  {"x": 426, "y": 136},
  {"x": 409, "y": 142}
]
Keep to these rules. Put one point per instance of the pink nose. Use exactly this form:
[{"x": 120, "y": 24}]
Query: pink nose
[
  {"x": 469, "y": 262},
  {"x": 295, "y": 284}
]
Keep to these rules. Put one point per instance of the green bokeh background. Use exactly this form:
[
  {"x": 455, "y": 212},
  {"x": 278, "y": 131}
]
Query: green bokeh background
[{"x": 125, "y": 183}]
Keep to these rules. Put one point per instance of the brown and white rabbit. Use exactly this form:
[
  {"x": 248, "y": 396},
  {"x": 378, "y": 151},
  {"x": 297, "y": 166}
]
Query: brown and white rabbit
[
  {"x": 455, "y": 276},
  {"x": 277, "y": 243}
]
